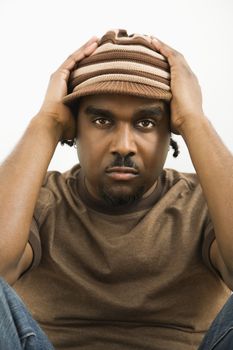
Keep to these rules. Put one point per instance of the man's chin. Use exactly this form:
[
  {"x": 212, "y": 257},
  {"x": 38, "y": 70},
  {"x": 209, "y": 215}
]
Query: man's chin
[{"x": 121, "y": 195}]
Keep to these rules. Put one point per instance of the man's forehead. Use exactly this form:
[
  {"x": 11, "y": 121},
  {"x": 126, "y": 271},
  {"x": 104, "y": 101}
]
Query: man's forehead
[{"x": 109, "y": 101}]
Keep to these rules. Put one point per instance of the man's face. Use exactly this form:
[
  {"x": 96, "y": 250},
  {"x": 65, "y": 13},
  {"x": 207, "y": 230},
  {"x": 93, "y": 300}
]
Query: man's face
[{"x": 122, "y": 144}]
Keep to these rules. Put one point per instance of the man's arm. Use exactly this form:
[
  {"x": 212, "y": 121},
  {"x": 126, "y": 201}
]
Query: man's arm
[
  {"x": 212, "y": 160},
  {"x": 214, "y": 165},
  {"x": 22, "y": 173}
]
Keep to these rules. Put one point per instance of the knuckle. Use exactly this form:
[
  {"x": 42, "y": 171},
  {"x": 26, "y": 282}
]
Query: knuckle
[
  {"x": 52, "y": 75},
  {"x": 186, "y": 70},
  {"x": 179, "y": 55},
  {"x": 174, "y": 54},
  {"x": 62, "y": 71},
  {"x": 70, "y": 57},
  {"x": 59, "y": 72}
]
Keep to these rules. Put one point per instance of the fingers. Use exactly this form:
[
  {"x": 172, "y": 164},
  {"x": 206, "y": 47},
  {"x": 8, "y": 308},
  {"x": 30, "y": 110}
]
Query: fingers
[
  {"x": 175, "y": 59},
  {"x": 90, "y": 41},
  {"x": 64, "y": 70},
  {"x": 171, "y": 54},
  {"x": 79, "y": 54},
  {"x": 163, "y": 48}
]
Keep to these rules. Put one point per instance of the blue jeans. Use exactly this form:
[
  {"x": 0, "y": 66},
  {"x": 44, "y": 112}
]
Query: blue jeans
[{"x": 19, "y": 331}]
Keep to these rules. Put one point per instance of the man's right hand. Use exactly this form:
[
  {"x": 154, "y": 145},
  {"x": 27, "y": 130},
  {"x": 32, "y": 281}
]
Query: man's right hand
[{"x": 53, "y": 107}]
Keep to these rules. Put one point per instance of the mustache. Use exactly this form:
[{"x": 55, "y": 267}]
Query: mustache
[{"x": 124, "y": 162}]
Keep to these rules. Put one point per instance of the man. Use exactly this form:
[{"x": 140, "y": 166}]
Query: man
[{"x": 118, "y": 252}]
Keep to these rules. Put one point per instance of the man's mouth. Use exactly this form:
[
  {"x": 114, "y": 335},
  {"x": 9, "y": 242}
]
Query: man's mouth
[{"x": 121, "y": 173}]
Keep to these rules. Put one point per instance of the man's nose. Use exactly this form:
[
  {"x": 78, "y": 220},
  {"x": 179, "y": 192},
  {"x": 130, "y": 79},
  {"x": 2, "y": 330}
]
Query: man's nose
[{"x": 123, "y": 142}]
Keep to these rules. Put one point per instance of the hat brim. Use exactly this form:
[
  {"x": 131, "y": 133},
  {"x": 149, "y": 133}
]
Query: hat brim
[{"x": 118, "y": 87}]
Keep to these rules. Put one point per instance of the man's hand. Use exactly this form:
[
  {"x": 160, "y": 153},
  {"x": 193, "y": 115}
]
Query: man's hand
[
  {"x": 53, "y": 106},
  {"x": 186, "y": 103}
]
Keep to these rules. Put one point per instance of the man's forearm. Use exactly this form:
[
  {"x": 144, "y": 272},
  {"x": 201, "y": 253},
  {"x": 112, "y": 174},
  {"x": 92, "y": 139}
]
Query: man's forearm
[
  {"x": 21, "y": 176},
  {"x": 214, "y": 165}
]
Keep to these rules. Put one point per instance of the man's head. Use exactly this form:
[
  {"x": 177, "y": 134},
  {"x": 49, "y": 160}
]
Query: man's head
[
  {"x": 123, "y": 129},
  {"x": 122, "y": 144}
]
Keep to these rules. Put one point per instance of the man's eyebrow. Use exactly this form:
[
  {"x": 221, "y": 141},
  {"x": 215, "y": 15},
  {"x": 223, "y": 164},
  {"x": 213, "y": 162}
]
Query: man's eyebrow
[
  {"x": 141, "y": 112},
  {"x": 91, "y": 110},
  {"x": 146, "y": 112}
]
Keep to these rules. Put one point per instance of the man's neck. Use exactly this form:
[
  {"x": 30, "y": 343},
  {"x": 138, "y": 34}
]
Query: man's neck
[{"x": 148, "y": 199}]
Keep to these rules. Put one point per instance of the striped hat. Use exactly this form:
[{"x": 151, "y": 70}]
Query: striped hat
[{"x": 121, "y": 64}]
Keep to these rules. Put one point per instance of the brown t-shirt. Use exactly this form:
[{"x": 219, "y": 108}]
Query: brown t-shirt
[{"x": 140, "y": 280}]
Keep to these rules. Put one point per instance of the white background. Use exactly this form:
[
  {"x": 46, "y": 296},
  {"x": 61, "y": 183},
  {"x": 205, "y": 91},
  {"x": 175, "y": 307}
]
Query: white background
[{"x": 37, "y": 36}]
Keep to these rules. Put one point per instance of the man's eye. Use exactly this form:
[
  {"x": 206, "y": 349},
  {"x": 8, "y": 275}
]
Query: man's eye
[
  {"x": 102, "y": 122},
  {"x": 146, "y": 124}
]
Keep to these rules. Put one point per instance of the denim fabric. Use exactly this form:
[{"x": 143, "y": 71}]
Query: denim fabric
[
  {"x": 220, "y": 334},
  {"x": 18, "y": 330}
]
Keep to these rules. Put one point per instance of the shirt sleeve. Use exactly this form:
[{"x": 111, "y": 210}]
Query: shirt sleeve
[
  {"x": 34, "y": 241},
  {"x": 45, "y": 201},
  {"x": 209, "y": 237}
]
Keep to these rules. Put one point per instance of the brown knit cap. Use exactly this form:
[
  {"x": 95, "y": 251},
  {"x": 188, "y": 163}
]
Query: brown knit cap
[{"x": 122, "y": 64}]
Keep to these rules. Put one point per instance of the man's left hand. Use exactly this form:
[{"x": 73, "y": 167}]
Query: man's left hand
[{"x": 186, "y": 103}]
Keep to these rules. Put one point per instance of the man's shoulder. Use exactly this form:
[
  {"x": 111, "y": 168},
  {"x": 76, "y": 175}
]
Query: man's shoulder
[
  {"x": 172, "y": 177},
  {"x": 182, "y": 190},
  {"x": 57, "y": 178},
  {"x": 58, "y": 185},
  {"x": 182, "y": 184}
]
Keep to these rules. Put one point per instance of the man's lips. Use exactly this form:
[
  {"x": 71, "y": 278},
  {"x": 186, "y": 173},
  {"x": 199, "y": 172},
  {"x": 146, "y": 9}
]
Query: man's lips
[{"x": 121, "y": 173}]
